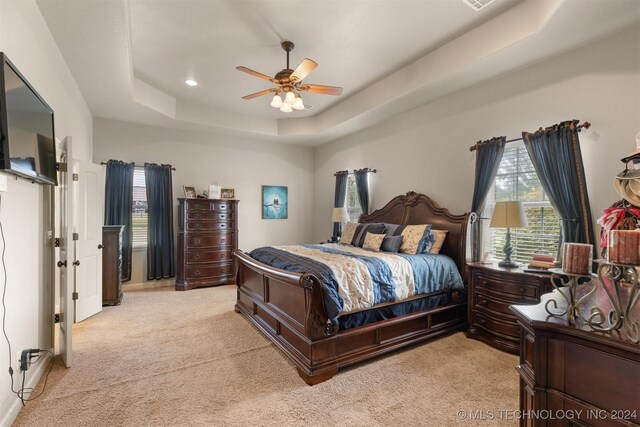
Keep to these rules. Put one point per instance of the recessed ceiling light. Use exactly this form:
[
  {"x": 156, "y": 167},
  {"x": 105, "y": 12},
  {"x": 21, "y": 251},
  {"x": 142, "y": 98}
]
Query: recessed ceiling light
[{"x": 191, "y": 82}]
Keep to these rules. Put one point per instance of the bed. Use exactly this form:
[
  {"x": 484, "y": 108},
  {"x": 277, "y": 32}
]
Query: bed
[{"x": 290, "y": 307}]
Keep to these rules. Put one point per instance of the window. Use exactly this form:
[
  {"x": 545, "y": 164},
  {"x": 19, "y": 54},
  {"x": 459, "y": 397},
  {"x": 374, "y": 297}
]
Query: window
[
  {"x": 517, "y": 180},
  {"x": 352, "y": 202},
  {"x": 139, "y": 211}
]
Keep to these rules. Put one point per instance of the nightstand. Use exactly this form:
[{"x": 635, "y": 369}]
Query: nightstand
[{"x": 491, "y": 291}]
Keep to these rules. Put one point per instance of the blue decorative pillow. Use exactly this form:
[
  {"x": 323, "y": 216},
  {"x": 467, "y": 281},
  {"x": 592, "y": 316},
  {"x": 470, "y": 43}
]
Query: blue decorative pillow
[
  {"x": 391, "y": 244},
  {"x": 362, "y": 230}
]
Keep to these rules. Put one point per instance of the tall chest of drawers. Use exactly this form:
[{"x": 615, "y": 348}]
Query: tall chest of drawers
[{"x": 208, "y": 233}]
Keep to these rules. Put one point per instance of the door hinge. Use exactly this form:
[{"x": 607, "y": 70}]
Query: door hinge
[
  {"x": 75, "y": 236},
  {"x": 74, "y": 296},
  {"x": 61, "y": 166},
  {"x": 56, "y": 242},
  {"x": 75, "y": 177},
  {"x": 57, "y": 318}
]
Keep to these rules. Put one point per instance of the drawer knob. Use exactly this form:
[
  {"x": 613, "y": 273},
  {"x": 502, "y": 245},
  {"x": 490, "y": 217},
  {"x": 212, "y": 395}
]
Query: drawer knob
[
  {"x": 198, "y": 225},
  {"x": 197, "y": 272},
  {"x": 222, "y": 256},
  {"x": 223, "y": 225},
  {"x": 483, "y": 302},
  {"x": 521, "y": 290},
  {"x": 224, "y": 269},
  {"x": 482, "y": 321},
  {"x": 223, "y": 216},
  {"x": 221, "y": 240},
  {"x": 197, "y": 241},
  {"x": 197, "y": 216},
  {"x": 197, "y": 256},
  {"x": 483, "y": 282}
]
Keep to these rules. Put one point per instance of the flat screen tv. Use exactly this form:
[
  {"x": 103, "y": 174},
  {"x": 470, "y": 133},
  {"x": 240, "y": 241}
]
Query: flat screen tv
[{"x": 27, "y": 147}]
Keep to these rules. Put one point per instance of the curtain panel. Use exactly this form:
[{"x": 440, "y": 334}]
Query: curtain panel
[
  {"x": 557, "y": 159},
  {"x": 339, "y": 197},
  {"x": 362, "y": 187},
  {"x": 118, "y": 206},
  {"x": 488, "y": 157},
  {"x": 160, "y": 241}
]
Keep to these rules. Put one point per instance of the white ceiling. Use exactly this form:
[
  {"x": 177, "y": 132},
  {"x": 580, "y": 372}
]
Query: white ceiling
[{"x": 131, "y": 57}]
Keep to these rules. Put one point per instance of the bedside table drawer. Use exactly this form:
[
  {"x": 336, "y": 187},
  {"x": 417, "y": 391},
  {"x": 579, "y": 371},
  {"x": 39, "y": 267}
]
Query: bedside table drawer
[
  {"x": 500, "y": 327},
  {"x": 501, "y": 286},
  {"x": 482, "y": 301}
]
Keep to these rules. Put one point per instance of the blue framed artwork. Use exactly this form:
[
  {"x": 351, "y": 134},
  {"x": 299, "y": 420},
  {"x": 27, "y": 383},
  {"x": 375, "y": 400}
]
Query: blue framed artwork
[{"x": 275, "y": 202}]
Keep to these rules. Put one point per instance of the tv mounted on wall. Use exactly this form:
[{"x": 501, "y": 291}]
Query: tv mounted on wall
[{"x": 27, "y": 139}]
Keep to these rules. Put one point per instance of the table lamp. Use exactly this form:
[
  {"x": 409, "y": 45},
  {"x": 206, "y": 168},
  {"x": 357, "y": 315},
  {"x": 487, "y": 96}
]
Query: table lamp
[
  {"x": 508, "y": 215},
  {"x": 339, "y": 215}
]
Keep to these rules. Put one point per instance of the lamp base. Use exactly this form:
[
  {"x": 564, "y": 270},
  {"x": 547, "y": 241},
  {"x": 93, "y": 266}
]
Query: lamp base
[{"x": 508, "y": 264}]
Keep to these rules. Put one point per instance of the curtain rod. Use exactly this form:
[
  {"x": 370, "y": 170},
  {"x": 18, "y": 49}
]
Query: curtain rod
[
  {"x": 355, "y": 170},
  {"x": 138, "y": 166},
  {"x": 585, "y": 125}
]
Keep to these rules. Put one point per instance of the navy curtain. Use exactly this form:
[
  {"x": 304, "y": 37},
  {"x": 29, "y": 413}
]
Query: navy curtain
[
  {"x": 339, "y": 197},
  {"x": 488, "y": 157},
  {"x": 362, "y": 187},
  {"x": 160, "y": 246},
  {"x": 557, "y": 159},
  {"x": 118, "y": 205}
]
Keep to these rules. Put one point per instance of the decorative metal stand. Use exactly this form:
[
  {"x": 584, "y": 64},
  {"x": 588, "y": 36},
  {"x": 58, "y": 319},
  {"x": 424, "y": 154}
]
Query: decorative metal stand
[
  {"x": 624, "y": 280},
  {"x": 566, "y": 284}
]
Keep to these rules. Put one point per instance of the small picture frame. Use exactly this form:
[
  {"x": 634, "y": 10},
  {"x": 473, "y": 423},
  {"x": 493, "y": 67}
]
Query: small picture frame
[
  {"x": 189, "y": 192},
  {"x": 228, "y": 193}
]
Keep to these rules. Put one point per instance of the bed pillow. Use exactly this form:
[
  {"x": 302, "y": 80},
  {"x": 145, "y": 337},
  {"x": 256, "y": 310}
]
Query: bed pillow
[
  {"x": 354, "y": 233},
  {"x": 373, "y": 241},
  {"x": 421, "y": 232},
  {"x": 391, "y": 244},
  {"x": 363, "y": 229},
  {"x": 347, "y": 233},
  {"x": 439, "y": 235},
  {"x": 413, "y": 238}
]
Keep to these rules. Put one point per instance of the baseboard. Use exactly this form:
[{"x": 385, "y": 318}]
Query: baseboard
[
  {"x": 33, "y": 377},
  {"x": 148, "y": 285}
]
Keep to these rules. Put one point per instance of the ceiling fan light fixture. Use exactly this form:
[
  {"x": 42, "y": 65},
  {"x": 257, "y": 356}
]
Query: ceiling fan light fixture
[
  {"x": 276, "y": 102},
  {"x": 286, "y": 107},
  {"x": 191, "y": 82},
  {"x": 298, "y": 104},
  {"x": 290, "y": 97}
]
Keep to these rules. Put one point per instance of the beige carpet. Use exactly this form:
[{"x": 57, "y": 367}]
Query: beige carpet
[{"x": 186, "y": 358}]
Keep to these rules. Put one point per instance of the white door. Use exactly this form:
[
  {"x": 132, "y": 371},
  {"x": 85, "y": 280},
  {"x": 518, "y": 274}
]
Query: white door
[
  {"x": 63, "y": 225},
  {"x": 88, "y": 259}
]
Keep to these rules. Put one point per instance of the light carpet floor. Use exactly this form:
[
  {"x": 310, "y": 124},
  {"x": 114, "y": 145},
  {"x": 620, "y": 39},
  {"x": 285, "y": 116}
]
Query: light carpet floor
[{"x": 186, "y": 358}]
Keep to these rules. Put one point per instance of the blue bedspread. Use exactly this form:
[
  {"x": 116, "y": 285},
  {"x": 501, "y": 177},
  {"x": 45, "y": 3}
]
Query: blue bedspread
[{"x": 355, "y": 279}]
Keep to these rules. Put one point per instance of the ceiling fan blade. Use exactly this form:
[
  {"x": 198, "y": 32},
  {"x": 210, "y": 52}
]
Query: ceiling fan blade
[
  {"x": 304, "y": 69},
  {"x": 257, "y": 94},
  {"x": 254, "y": 73},
  {"x": 322, "y": 89}
]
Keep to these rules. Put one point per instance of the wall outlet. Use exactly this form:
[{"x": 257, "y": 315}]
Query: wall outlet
[{"x": 24, "y": 361}]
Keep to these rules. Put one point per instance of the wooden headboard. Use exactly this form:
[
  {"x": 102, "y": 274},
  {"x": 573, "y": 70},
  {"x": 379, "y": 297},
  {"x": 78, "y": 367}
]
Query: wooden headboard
[{"x": 414, "y": 208}]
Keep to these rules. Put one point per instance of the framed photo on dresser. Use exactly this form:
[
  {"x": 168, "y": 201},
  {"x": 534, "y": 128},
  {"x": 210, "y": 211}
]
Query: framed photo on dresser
[{"x": 189, "y": 192}]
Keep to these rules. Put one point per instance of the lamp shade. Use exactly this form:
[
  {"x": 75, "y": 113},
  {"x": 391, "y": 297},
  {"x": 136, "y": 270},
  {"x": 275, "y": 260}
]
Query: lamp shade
[
  {"x": 508, "y": 215},
  {"x": 340, "y": 215}
]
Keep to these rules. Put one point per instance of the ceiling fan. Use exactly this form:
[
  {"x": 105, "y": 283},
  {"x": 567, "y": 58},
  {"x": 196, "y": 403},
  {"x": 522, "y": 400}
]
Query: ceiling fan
[{"x": 289, "y": 82}]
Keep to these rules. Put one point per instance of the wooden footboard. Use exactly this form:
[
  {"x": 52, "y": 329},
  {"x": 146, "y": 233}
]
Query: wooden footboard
[{"x": 289, "y": 309}]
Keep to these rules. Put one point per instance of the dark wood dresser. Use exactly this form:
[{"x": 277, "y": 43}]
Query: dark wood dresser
[
  {"x": 573, "y": 376},
  {"x": 112, "y": 264},
  {"x": 491, "y": 291},
  {"x": 207, "y": 235}
]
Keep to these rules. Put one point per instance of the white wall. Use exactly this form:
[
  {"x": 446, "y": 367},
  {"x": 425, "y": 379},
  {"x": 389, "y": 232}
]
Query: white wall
[
  {"x": 427, "y": 149},
  {"x": 201, "y": 158},
  {"x": 26, "y": 40}
]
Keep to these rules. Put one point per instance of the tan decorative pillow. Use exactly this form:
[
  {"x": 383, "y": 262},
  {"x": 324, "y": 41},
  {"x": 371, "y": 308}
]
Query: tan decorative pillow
[
  {"x": 411, "y": 236},
  {"x": 437, "y": 245},
  {"x": 348, "y": 232},
  {"x": 373, "y": 241}
]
